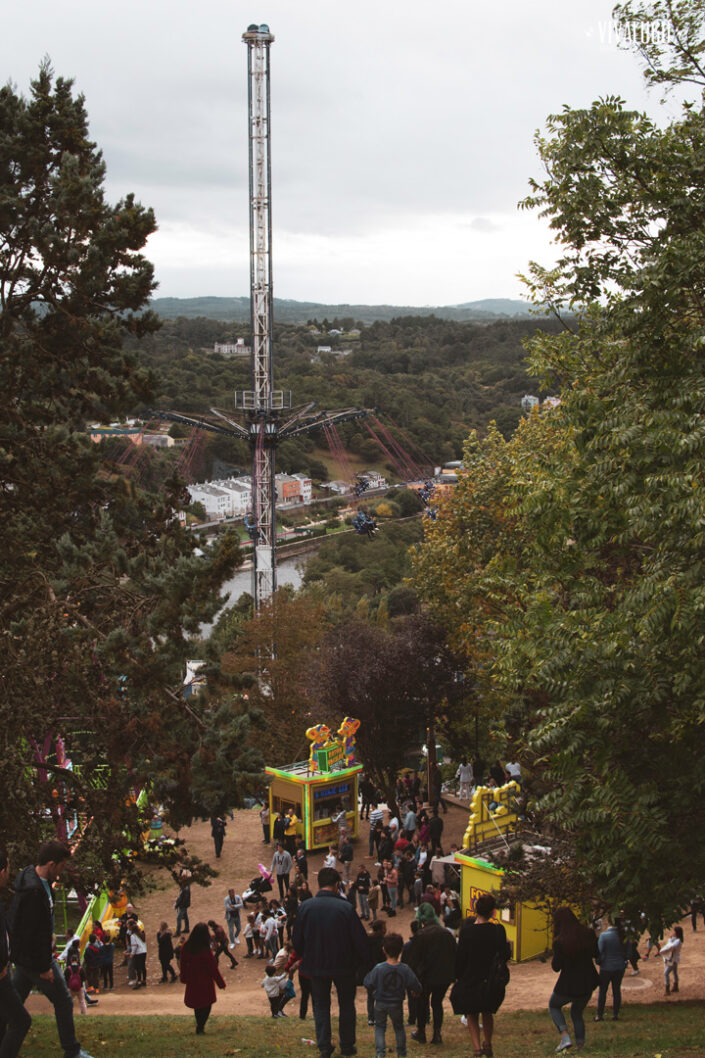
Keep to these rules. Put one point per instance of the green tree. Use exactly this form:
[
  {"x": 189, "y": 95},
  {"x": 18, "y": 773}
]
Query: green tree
[
  {"x": 395, "y": 680},
  {"x": 101, "y": 596},
  {"x": 597, "y": 603}
]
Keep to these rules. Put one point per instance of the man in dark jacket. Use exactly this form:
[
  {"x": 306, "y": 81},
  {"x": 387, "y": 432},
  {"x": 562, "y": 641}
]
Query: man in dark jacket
[
  {"x": 14, "y": 1019},
  {"x": 31, "y": 936},
  {"x": 431, "y": 955},
  {"x": 182, "y": 904},
  {"x": 332, "y": 942}
]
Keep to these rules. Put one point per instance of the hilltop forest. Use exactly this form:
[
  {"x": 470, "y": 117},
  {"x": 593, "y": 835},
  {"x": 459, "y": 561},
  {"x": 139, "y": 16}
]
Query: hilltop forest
[{"x": 436, "y": 379}]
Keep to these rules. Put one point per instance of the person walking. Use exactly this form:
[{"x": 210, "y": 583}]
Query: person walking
[
  {"x": 672, "y": 951},
  {"x": 14, "y": 1019},
  {"x": 107, "y": 959},
  {"x": 388, "y": 982},
  {"x": 612, "y": 960},
  {"x": 165, "y": 951},
  {"x": 75, "y": 977},
  {"x": 281, "y": 867},
  {"x": 431, "y": 955},
  {"x": 574, "y": 949},
  {"x": 183, "y": 902},
  {"x": 481, "y": 973},
  {"x": 332, "y": 944},
  {"x": 264, "y": 820},
  {"x": 219, "y": 942},
  {"x": 361, "y": 885},
  {"x": 198, "y": 970},
  {"x": 435, "y": 834},
  {"x": 31, "y": 920},
  {"x": 233, "y": 907},
  {"x": 218, "y": 826},
  {"x": 465, "y": 777}
]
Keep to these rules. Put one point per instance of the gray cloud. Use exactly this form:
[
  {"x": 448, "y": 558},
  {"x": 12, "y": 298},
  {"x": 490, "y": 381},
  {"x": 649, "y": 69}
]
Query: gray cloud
[{"x": 395, "y": 128}]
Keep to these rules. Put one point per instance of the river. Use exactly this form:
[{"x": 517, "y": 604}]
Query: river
[{"x": 289, "y": 571}]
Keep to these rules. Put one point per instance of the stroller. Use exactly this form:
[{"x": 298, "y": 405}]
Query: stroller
[{"x": 257, "y": 887}]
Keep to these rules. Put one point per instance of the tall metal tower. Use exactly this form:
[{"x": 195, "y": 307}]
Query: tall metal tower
[
  {"x": 263, "y": 405},
  {"x": 262, "y": 402}
]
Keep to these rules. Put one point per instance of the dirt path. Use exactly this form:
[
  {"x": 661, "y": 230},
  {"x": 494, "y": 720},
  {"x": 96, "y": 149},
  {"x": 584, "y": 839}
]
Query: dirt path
[{"x": 530, "y": 985}]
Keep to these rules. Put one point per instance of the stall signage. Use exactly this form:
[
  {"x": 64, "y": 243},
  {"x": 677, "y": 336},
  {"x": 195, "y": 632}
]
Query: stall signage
[
  {"x": 331, "y": 755},
  {"x": 331, "y": 791}
]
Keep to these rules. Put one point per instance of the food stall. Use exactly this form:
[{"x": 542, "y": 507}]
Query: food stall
[{"x": 322, "y": 787}]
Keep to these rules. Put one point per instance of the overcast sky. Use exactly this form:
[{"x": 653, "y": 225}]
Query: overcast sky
[{"x": 402, "y": 132}]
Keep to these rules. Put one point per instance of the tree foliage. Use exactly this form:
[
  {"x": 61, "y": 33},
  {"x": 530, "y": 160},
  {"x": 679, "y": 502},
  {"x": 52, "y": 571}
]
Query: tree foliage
[
  {"x": 101, "y": 596},
  {"x": 394, "y": 680},
  {"x": 588, "y": 612}
]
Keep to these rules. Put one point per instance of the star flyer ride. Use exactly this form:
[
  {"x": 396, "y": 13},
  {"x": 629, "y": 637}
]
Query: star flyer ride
[{"x": 323, "y": 790}]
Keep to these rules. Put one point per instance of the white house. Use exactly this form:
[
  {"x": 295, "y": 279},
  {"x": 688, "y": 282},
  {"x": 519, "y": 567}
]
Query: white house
[
  {"x": 216, "y": 502},
  {"x": 240, "y": 492}
]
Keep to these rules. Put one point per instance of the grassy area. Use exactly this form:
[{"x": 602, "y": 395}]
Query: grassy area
[{"x": 657, "y": 1031}]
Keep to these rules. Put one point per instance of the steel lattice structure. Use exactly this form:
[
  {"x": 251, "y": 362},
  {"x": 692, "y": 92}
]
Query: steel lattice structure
[{"x": 268, "y": 412}]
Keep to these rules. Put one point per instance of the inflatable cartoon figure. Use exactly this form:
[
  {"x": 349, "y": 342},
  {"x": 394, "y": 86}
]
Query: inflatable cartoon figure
[
  {"x": 319, "y": 736},
  {"x": 346, "y": 734}
]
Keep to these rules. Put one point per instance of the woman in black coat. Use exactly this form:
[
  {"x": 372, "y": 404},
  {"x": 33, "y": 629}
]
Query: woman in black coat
[
  {"x": 574, "y": 949},
  {"x": 480, "y": 969}
]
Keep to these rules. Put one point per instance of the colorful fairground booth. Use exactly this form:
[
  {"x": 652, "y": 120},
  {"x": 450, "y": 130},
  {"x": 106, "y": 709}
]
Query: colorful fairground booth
[
  {"x": 321, "y": 788},
  {"x": 493, "y": 813}
]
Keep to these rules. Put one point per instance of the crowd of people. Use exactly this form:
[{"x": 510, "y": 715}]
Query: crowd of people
[{"x": 340, "y": 938}]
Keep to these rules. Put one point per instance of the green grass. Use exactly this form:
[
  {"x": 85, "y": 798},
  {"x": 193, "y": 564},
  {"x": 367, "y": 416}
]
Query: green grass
[{"x": 668, "y": 1031}]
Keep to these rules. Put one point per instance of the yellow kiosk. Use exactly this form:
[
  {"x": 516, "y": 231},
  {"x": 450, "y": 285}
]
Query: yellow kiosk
[
  {"x": 323, "y": 790},
  {"x": 492, "y": 812}
]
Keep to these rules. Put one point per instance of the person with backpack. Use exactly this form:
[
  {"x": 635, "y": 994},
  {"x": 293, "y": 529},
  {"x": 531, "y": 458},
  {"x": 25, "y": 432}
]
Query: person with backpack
[
  {"x": 75, "y": 977},
  {"x": 574, "y": 949},
  {"x": 91, "y": 964},
  {"x": 481, "y": 973}
]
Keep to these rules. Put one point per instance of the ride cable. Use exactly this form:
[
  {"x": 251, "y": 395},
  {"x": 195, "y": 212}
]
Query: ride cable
[
  {"x": 337, "y": 450},
  {"x": 426, "y": 464},
  {"x": 412, "y": 470}
]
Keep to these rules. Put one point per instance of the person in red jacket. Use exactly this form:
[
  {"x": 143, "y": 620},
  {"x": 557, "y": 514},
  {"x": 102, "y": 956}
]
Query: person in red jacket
[{"x": 199, "y": 972}]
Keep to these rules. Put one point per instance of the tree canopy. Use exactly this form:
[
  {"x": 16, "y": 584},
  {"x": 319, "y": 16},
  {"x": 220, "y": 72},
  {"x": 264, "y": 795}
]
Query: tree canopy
[
  {"x": 101, "y": 595},
  {"x": 586, "y": 610}
]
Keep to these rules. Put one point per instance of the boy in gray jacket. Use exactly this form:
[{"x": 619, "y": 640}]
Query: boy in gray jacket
[{"x": 389, "y": 981}]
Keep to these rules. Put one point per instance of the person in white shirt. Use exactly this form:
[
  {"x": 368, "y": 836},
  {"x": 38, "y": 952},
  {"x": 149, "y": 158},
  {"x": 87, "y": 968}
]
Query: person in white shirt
[
  {"x": 273, "y": 984},
  {"x": 672, "y": 951},
  {"x": 138, "y": 953},
  {"x": 331, "y": 859},
  {"x": 464, "y": 774}
]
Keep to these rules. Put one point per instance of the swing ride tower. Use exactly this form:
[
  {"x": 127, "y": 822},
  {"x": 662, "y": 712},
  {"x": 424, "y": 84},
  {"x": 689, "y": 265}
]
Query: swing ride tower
[
  {"x": 262, "y": 403},
  {"x": 267, "y": 414}
]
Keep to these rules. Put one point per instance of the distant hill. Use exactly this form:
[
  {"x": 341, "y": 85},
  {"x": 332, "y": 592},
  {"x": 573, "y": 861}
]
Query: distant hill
[{"x": 238, "y": 310}]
